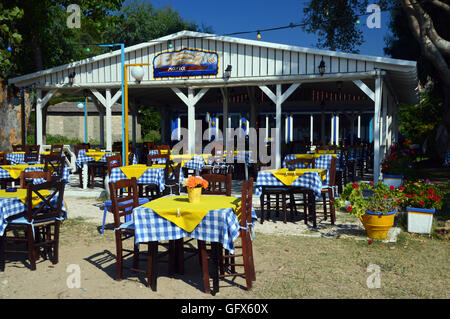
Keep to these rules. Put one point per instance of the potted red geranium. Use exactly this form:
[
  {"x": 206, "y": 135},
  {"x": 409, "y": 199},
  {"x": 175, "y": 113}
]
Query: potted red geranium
[
  {"x": 420, "y": 199},
  {"x": 397, "y": 164}
]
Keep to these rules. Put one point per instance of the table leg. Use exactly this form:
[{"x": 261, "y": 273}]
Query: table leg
[
  {"x": 2, "y": 252},
  {"x": 312, "y": 205},
  {"x": 215, "y": 266},
  {"x": 85, "y": 175}
]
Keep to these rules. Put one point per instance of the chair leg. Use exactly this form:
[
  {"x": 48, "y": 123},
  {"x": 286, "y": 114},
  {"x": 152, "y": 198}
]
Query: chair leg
[
  {"x": 118, "y": 255},
  {"x": 277, "y": 205},
  {"x": 305, "y": 207},
  {"x": 56, "y": 243},
  {"x": 332, "y": 208},
  {"x": 136, "y": 256},
  {"x": 283, "y": 204},
  {"x": 105, "y": 211},
  {"x": 245, "y": 256},
  {"x": 324, "y": 199},
  {"x": 31, "y": 248}
]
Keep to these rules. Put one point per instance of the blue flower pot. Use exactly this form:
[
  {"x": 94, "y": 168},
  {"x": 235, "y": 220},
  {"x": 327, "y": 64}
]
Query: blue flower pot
[{"x": 393, "y": 180}]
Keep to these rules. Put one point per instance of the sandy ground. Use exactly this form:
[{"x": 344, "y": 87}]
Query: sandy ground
[{"x": 95, "y": 260}]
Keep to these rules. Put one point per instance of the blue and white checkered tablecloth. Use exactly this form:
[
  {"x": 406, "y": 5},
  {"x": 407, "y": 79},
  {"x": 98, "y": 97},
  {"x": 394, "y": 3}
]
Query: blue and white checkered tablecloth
[
  {"x": 5, "y": 174},
  {"x": 322, "y": 162},
  {"x": 18, "y": 158},
  {"x": 150, "y": 176},
  {"x": 83, "y": 158},
  {"x": 309, "y": 180},
  {"x": 447, "y": 159},
  {"x": 12, "y": 207},
  {"x": 195, "y": 163},
  {"x": 221, "y": 226}
]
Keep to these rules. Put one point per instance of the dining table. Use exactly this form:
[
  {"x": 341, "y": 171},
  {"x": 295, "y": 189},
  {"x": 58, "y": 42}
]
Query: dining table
[
  {"x": 19, "y": 157},
  {"x": 215, "y": 219},
  {"x": 144, "y": 174},
  {"x": 93, "y": 155},
  {"x": 310, "y": 179},
  {"x": 12, "y": 172}
]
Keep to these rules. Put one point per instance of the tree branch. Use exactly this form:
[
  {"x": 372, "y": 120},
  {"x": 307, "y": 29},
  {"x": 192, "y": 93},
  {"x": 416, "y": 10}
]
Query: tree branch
[
  {"x": 441, "y": 5},
  {"x": 420, "y": 22}
]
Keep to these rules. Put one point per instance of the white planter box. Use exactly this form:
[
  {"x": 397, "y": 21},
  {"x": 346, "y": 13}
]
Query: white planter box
[
  {"x": 393, "y": 180},
  {"x": 420, "y": 220}
]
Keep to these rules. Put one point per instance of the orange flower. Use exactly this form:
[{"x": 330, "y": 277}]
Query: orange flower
[{"x": 196, "y": 181}]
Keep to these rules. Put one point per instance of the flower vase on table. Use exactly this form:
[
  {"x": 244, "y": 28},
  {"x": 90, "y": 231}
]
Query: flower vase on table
[{"x": 194, "y": 185}]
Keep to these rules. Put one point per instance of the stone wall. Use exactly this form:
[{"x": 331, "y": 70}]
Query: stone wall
[{"x": 72, "y": 126}]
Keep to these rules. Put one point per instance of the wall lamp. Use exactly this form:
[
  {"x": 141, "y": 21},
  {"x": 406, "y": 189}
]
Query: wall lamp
[
  {"x": 227, "y": 72},
  {"x": 321, "y": 67}
]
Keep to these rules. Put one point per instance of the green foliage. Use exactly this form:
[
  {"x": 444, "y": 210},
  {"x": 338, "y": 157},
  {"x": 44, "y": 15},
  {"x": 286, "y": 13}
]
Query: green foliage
[
  {"x": 150, "y": 119},
  {"x": 419, "y": 122},
  {"x": 400, "y": 159},
  {"x": 358, "y": 198},
  {"x": 421, "y": 194},
  {"x": 9, "y": 37},
  {"x": 152, "y": 136},
  {"x": 139, "y": 21},
  {"x": 335, "y": 23}
]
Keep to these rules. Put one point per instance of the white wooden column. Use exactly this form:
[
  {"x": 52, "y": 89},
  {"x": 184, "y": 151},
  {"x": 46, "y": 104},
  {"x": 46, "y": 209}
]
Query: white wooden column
[
  {"x": 190, "y": 100},
  {"x": 40, "y": 104},
  {"x": 311, "y": 129},
  {"x": 337, "y": 129},
  {"x": 225, "y": 116},
  {"x": 278, "y": 99},
  {"x": 107, "y": 101},
  {"x": 377, "y": 128},
  {"x": 332, "y": 129},
  {"x": 359, "y": 126}
]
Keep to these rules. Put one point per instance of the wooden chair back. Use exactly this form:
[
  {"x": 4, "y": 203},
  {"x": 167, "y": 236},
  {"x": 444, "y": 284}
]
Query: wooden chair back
[
  {"x": 113, "y": 161},
  {"x": 327, "y": 147},
  {"x": 122, "y": 205},
  {"x": 57, "y": 149},
  {"x": 18, "y": 148},
  {"x": 77, "y": 148},
  {"x": 172, "y": 172},
  {"x": 332, "y": 178},
  {"x": 26, "y": 176},
  {"x": 48, "y": 208},
  {"x": 246, "y": 202},
  {"x": 32, "y": 153},
  {"x": 301, "y": 163},
  {"x": 3, "y": 160},
  {"x": 218, "y": 184},
  {"x": 130, "y": 158},
  {"x": 55, "y": 165}
]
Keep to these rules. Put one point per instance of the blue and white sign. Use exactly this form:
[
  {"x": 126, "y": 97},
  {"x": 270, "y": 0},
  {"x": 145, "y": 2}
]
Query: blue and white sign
[{"x": 185, "y": 62}]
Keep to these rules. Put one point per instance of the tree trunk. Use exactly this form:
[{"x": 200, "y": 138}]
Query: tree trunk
[
  {"x": 443, "y": 131},
  {"x": 11, "y": 117}
]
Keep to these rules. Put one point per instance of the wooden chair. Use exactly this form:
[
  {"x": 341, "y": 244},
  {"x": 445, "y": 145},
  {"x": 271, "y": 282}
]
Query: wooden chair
[
  {"x": 293, "y": 191},
  {"x": 77, "y": 149},
  {"x": 26, "y": 176},
  {"x": 32, "y": 153},
  {"x": 57, "y": 149},
  {"x": 329, "y": 190},
  {"x": 218, "y": 184},
  {"x": 55, "y": 165},
  {"x": 113, "y": 161},
  {"x": 3, "y": 160},
  {"x": 18, "y": 148},
  {"x": 246, "y": 248},
  {"x": 122, "y": 207},
  {"x": 38, "y": 222}
]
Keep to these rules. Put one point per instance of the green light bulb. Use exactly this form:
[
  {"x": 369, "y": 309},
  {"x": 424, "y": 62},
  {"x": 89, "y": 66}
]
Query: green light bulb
[{"x": 88, "y": 50}]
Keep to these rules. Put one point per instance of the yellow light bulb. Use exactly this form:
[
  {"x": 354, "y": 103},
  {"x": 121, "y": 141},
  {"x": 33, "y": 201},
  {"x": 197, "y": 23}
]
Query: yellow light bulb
[{"x": 258, "y": 36}]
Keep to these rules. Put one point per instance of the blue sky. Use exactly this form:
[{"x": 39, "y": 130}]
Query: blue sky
[{"x": 247, "y": 15}]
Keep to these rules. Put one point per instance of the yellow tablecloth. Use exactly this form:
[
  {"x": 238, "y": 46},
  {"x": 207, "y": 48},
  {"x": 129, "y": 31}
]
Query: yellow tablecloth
[
  {"x": 137, "y": 170},
  {"x": 22, "y": 195},
  {"x": 324, "y": 152},
  {"x": 315, "y": 155},
  {"x": 185, "y": 215},
  {"x": 15, "y": 170},
  {"x": 288, "y": 177},
  {"x": 96, "y": 155}
]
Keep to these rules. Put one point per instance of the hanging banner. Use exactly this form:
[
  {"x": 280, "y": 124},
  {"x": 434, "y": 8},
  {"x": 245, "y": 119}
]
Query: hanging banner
[{"x": 185, "y": 62}]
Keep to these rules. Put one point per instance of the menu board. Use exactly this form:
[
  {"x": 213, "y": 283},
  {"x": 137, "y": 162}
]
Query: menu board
[{"x": 185, "y": 62}]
